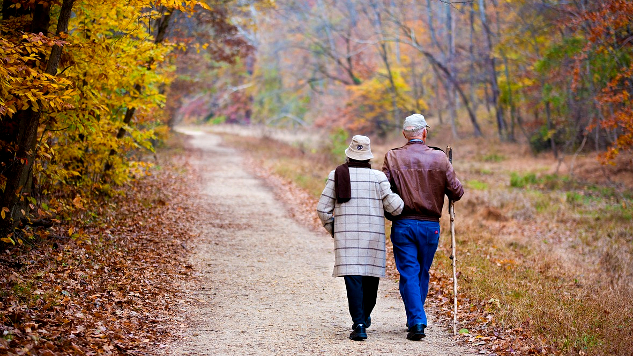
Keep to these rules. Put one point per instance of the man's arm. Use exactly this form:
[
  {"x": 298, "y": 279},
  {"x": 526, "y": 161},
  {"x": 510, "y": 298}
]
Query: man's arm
[
  {"x": 325, "y": 208},
  {"x": 386, "y": 169},
  {"x": 454, "y": 188}
]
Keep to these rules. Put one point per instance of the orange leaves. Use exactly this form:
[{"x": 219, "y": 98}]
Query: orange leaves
[
  {"x": 605, "y": 64},
  {"x": 88, "y": 296}
]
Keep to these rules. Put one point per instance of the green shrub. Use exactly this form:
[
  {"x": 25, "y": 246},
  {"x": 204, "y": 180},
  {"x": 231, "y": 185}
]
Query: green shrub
[
  {"x": 338, "y": 143},
  {"x": 519, "y": 181},
  {"x": 541, "y": 140},
  {"x": 218, "y": 120}
]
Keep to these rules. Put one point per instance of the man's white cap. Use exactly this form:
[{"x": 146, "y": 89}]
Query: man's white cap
[{"x": 414, "y": 122}]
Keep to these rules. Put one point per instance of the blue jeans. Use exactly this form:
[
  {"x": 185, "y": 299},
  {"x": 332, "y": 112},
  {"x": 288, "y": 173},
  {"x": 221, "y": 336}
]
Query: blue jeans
[{"x": 414, "y": 246}]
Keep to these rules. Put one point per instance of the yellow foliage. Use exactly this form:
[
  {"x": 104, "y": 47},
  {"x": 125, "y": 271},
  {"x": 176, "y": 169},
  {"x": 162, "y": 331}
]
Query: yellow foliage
[{"x": 371, "y": 103}]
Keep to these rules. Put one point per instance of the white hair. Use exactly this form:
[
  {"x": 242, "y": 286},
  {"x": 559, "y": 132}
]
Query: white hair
[{"x": 413, "y": 133}]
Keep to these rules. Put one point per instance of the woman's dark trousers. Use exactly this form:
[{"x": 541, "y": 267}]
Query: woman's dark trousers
[{"x": 361, "y": 296}]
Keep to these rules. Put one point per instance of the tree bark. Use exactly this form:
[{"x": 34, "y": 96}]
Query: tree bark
[
  {"x": 383, "y": 52},
  {"x": 511, "y": 137},
  {"x": 471, "y": 50},
  {"x": 438, "y": 97},
  {"x": 501, "y": 125},
  {"x": 21, "y": 134},
  {"x": 549, "y": 128},
  {"x": 451, "y": 65},
  {"x": 439, "y": 67}
]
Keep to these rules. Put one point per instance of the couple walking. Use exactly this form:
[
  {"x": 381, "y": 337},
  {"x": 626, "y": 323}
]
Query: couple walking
[{"x": 409, "y": 191}]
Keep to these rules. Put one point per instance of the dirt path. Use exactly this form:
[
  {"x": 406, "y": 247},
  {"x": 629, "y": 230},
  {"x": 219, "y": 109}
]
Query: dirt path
[{"x": 266, "y": 285}]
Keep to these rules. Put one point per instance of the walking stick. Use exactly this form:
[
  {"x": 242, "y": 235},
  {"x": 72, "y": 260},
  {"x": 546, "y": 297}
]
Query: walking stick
[{"x": 451, "y": 213}]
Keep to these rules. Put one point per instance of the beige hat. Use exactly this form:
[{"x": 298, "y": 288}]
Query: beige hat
[
  {"x": 414, "y": 123},
  {"x": 359, "y": 148}
]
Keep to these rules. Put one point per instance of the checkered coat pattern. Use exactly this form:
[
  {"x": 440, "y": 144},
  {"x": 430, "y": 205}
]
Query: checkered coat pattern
[{"x": 358, "y": 226}]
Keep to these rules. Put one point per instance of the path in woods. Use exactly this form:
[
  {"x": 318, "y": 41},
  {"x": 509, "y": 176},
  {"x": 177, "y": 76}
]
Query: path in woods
[{"x": 265, "y": 285}]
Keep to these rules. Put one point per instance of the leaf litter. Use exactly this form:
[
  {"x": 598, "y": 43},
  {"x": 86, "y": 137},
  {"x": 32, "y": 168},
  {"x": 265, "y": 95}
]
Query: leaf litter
[{"x": 109, "y": 289}]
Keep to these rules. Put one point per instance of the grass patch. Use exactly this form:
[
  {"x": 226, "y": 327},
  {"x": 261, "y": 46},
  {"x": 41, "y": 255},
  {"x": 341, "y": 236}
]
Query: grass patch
[
  {"x": 528, "y": 295},
  {"x": 493, "y": 157},
  {"x": 300, "y": 173},
  {"x": 477, "y": 185},
  {"x": 306, "y": 168}
]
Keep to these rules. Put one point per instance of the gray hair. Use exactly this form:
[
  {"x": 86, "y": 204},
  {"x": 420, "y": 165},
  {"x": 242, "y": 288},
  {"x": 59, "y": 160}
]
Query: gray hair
[{"x": 413, "y": 133}]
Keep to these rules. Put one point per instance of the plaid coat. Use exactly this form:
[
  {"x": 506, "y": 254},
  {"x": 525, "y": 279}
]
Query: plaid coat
[{"x": 358, "y": 226}]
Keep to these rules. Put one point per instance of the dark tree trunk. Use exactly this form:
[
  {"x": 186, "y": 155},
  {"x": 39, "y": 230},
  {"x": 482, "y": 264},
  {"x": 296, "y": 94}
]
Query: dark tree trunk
[{"x": 20, "y": 134}]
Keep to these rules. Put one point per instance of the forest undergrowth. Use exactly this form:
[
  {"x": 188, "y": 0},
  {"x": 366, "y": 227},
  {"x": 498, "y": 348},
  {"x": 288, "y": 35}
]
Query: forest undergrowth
[
  {"x": 545, "y": 260},
  {"x": 103, "y": 281}
]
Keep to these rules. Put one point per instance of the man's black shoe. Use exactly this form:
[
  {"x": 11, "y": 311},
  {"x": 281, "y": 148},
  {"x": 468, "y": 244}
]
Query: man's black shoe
[
  {"x": 368, "y": 322},
  {"x": 416, "y": 332},
  {"x": 359, "y": 333}
]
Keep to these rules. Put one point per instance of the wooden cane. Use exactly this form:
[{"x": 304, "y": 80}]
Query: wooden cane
[{"x": 451, "y": 213}]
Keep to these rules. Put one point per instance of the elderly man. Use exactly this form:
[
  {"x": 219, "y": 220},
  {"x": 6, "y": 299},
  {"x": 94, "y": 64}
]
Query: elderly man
[
  {"x": 421, "y": 175},
  {"x": 351, "y": 209}
]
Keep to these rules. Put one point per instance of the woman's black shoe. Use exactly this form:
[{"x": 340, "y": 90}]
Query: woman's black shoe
[{"x": 359, "y": 333}]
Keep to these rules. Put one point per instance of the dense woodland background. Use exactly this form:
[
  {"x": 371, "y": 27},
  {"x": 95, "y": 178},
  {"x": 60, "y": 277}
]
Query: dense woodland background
[
  {"x": 87, "y": 86},
  {"x": 89, "y": 90}
]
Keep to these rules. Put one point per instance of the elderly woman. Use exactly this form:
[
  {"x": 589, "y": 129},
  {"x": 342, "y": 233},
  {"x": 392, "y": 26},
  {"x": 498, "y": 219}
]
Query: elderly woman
[{"x": 352, "y": 208}]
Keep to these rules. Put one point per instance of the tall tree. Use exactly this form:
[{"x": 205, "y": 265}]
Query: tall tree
[{"x": 20, "y": 129}]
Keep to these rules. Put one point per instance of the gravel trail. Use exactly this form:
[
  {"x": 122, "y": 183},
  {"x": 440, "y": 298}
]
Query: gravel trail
[{"x": 264, "y": 283}]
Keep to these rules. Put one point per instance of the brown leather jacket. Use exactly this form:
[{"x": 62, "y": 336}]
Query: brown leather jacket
[{"x": 421, "y": 175}]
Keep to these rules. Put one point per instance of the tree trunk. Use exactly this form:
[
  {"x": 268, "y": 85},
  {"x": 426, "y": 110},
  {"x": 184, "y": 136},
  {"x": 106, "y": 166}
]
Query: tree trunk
[
  {"x": 384, "y": 55},
  {"x": 438, "y": 97},
  {"x": 549, "y": 128},
  {"x": 471, "y": 50},
  {"x": 21, "y": 134},
  {"x": 511, "y": 137},
  {"x": 501, "y": 125},
  {"x": 451, "y": 65},
  {"x": 437, "y": 67},
  {"x": 417, "y": 88},
  {"x": 392, "y": 84}
]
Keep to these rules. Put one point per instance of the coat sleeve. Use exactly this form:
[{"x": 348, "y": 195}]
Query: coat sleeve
[
  {"x": 454, "y": 188},
  {"x": 391, "y": 201},
  {"x": 325, "y": 208},
  {"x": 386, "y": 169}
]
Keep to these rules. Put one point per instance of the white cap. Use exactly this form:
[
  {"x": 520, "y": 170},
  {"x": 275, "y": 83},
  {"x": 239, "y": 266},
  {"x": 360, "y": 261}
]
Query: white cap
[{"x": 414, "y": 122}]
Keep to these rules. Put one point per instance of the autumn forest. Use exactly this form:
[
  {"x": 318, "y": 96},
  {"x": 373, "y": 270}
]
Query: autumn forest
[{"x": 91, "y": 93}]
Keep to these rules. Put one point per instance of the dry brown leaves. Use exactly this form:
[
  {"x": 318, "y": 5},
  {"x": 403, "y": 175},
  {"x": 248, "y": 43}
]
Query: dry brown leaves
[{"x": 109, "y": 291}]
